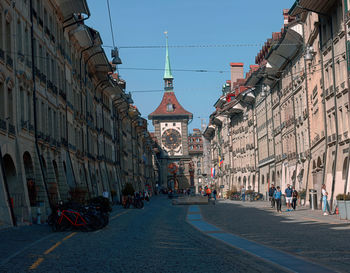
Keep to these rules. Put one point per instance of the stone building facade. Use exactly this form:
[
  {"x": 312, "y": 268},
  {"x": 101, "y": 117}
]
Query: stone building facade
[
  {"x": 62, "y": 112},
  {"x": 298, "y": 111}
]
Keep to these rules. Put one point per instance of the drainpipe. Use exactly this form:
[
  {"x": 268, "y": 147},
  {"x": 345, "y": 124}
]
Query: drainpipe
[
  {"x": 67, "y": 130},
  {"x": 336, "y": 119},
  {"x": 13, "y": 218},
  {"x": 347, "y": 73},
  {"x": 34, "y": 105},
  {"x": 273, "y": 135},
  {"x": 268, "y": 146},
  {"x": 86, "y": 109},
  {"x": 325, "y": 121},
  {"x": 104, "y": 142},
  {"x": 295, "y": 135},
  {"x": 308, "y": 115}
]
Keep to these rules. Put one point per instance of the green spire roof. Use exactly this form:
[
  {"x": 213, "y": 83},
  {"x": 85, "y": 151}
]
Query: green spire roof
[{"x": 167, "y": 72}]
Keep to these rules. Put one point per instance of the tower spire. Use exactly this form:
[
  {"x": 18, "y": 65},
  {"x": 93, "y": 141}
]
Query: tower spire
[{"x": 168, "y": 76}]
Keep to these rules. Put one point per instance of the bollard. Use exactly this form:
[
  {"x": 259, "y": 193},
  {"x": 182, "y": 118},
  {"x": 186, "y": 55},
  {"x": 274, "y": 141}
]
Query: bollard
[{"x": 38, "y": 214}]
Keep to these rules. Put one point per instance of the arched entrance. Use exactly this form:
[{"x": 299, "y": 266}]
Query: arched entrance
[
  {"x": 51, "y": 186},
  {"x": 16, "y": 189},
  {"x": 244, "y": 182},
  {"x": 30, "y": 179}
]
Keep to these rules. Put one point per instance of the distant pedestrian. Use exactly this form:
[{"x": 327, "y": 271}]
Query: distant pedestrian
[
  {"x": 277, "y": 196},
  {"x": 294, "y": 198},
  {"x": 288, "y": 193},
  {"x": 271, "y": 195},
  {"x": 215, "y": 193},
  {"x": 243, "y": 193},
  {"x": 208, "y": 192},
  {"x": 325, "y": 201}
]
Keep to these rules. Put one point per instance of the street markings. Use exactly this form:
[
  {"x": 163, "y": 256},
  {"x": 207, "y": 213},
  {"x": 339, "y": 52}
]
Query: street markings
[
  {"x": 281, "y": 259},
  {"x": 119, "y": 214},
  {"x": 48, "y": 251},
  {"x": 5, "y": 261},
  {"x": 52, "y": 248},
  {"x": 69, "y": 236},
  {"x": 37, "y": 263}
]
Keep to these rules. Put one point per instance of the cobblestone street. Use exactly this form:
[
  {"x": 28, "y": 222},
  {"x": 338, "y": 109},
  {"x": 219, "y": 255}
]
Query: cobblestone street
[
  {"x": 155, "y": 239},
  {"x": 304, "y": 233}
]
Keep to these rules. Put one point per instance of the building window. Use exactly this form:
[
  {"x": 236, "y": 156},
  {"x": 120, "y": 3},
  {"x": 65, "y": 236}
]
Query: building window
[
  {"x": 198, "y": 172},
  {"x": 8, "y": 37},
  {"x": 19, "y": 37},
  {"x": 10, "y": 105},
  {"x": 1, "y": 32},
  {"x": 169, "y": 107},
  {"x": 198, "y": 164}
]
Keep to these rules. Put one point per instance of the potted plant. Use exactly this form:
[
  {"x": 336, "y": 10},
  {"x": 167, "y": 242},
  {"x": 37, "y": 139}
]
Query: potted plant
[{"x": 341, "y": 205}]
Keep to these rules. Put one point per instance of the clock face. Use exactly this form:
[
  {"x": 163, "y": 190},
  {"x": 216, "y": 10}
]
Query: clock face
[{"x": 171, "y": 139}]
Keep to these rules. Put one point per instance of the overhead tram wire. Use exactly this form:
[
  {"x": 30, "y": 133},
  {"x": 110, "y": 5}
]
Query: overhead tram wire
[
  {"x": 199, "y": 70},
  {"x": 196, "y": 46}
]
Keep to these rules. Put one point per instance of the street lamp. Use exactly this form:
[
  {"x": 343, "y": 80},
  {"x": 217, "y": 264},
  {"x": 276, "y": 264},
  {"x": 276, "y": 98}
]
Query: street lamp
[
  {"x": 309, "y": 53},
  {"x": 115, "y": 56},
  {"x": 264, "y": 90}
]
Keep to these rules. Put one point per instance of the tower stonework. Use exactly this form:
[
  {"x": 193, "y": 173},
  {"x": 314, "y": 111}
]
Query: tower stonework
[{"x": 170, "y": 121}]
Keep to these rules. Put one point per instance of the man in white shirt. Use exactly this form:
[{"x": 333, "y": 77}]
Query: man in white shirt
[{"x": 324, "y": 200}]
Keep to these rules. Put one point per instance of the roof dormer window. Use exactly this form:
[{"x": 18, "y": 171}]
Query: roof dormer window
[{"x": 170, "y": 107}]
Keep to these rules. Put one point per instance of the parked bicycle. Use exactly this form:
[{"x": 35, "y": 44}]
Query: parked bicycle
[
  {"x": 136, "y": 202},
  {"x": 70, "y": 215}
]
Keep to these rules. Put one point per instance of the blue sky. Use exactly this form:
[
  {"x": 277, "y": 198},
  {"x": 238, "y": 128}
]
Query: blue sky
[{"x": 188, "y": 22}]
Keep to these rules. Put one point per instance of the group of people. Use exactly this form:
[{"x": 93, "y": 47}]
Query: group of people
[
  {"x": 291, "y": 194},
  {"x": 275, "y": 196}
]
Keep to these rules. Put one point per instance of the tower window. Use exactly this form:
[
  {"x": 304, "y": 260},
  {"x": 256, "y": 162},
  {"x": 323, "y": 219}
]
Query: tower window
[{"x": 169, "y": 107}]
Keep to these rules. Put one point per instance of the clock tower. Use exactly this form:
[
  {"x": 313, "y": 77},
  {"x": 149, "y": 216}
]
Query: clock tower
[{"x": 170, "y": 121}]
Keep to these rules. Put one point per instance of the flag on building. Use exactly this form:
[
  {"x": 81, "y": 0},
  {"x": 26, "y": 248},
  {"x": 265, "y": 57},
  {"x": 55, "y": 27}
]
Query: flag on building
[
  {"x": 212, "y": 172},
  {"x": 221, "y": 160}
]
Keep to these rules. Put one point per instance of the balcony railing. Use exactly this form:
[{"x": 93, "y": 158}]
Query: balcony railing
[
  {"x": 9, "y": 61},
  {"x": 3, "y": 125},
  {"x": 12, "y": 129},
  {"x": 2, "y": 55}
]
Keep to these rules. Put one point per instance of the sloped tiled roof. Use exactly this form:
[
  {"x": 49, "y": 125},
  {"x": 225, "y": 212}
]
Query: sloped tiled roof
[{"x": 170, "y": 98}]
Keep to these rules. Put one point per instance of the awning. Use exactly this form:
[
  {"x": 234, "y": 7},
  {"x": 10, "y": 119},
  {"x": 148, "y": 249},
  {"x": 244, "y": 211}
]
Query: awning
[
  {"x": 83, "y": 36},
  {"x": 236, "y": 109},
  {"x": 285, "y": 50},
  {"x": 209, "y": 132},
  {"x": 218, "y": 120},
  {"x": 320, "y": 6},
  {"x": 70, "y": 7}
]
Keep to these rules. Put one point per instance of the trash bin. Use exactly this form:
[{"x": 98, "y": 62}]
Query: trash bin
[{"x": 313, "y": 199}]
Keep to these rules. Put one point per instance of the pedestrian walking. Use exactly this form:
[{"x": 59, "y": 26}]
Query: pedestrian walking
[
  {"x": 277, "y": 196},
  {"x": 271, "y": 195},
  {"x": 325, "y": 201},
  {"x": 243, "y": 193},
  {"x": 208, "y": 192},
  {"x": 215, "y": 193},
  {"x": 288, "y": 192},
  {"x": 294, "y": 198}
]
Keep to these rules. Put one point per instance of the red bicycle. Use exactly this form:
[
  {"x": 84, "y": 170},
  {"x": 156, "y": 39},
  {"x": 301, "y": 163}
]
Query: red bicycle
[{"x": 66, "y": 219}]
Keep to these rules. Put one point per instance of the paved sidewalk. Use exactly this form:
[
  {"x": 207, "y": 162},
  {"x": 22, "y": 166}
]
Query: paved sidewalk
[{"x": 302, "y": 213}]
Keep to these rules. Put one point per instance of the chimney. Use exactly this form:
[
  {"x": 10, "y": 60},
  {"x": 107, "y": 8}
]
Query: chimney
[{"x": 236, "y": 72}]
